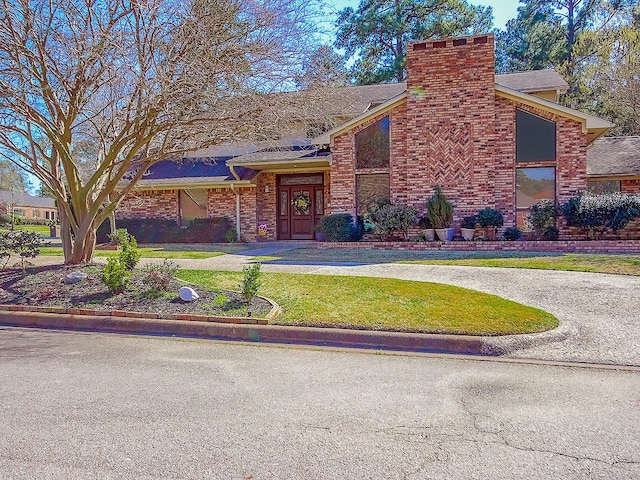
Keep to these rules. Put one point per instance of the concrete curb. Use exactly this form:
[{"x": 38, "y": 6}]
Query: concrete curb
[{"x": 334, "y": 337}]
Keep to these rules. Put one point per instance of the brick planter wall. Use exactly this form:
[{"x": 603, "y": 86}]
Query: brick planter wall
[{"x": 562, "y": 246}]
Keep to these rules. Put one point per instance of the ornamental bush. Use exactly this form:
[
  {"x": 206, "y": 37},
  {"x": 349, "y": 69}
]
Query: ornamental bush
[
  {"x": 339, "y": 227},
  {"x": 542, "y": 216},
  {"x": 439, "y": 209},
  {"x": 115, "y": 275},
  {"x": 250, "y": 280},
  {"x": 23, "y": 243},
  {"x": 594, "y": 214},
  {"x": 389, "y": 218}
]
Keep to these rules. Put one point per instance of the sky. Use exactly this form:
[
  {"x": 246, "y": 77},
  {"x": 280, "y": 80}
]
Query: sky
[{"x": 503, "y": 10}]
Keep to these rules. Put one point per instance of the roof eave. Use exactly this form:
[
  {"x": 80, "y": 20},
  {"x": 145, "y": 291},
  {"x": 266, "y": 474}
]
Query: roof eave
[
  {"x": 591, "y": 125},
  {"x": 182, "y": 183},
  {"x": 323, "y": 162},
  {"x": 327, "y": 137}
]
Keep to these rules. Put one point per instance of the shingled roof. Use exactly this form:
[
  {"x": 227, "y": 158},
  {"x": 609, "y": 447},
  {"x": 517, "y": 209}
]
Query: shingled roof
[
  {"x": 26, "y": 200},
  {"x": 614, "y": 157},
  {"x": 533, "y": 81}
]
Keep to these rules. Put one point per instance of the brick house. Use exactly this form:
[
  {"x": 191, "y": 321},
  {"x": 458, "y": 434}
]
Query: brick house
[
  {"x": 488, "y": 140},
  {"x": 27, "y": 206}
]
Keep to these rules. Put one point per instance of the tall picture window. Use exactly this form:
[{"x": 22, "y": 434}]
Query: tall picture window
[
  {"x": 372, "y": 146},
  {"x": 535, "y": 138},
  {"x": 533, "y": 185}
]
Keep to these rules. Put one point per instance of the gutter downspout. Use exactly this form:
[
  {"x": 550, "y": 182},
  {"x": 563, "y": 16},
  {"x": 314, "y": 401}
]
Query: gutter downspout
[{"x": 237, "y": 193}]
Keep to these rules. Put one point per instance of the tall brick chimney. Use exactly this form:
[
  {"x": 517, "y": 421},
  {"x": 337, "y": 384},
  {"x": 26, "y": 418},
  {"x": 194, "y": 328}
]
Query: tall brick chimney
[{"x": 451, "y": 128}]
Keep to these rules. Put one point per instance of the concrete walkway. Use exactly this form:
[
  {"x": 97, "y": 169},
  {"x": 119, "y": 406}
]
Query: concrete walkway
[{"x": 599, "y": 314}]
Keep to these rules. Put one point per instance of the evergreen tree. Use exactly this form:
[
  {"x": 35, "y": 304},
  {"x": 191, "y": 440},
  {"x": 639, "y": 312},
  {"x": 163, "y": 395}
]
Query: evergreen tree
[{"x": 378, "y": 31}]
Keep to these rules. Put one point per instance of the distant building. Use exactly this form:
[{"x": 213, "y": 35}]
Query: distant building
[{"x": 27, "y": 206}]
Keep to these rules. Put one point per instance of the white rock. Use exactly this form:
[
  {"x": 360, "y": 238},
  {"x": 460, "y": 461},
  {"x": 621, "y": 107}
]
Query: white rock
[
  {"x": 187, "y": 294},
  {"x": 74, "y": 277}
]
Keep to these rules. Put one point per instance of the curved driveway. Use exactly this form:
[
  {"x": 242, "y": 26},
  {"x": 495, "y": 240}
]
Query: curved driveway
[{"x": 599, "y": 314}]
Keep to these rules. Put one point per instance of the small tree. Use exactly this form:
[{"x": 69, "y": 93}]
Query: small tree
[
  {"x": 439, "y": 209},
  {"x": 542, "y": 217},
  {"x": 250, "y": 280}
]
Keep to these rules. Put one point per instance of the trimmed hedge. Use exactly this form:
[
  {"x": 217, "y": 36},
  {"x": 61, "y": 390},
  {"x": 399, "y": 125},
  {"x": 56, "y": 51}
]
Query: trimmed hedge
[
  {"x": 160, "y": 230},
  {"x": 339, "y": 227}
]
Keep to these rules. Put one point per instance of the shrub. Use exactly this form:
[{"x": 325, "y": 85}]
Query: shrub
[
  {"x": 128, "y": 254},
  {"x": 250, "y": 280},
  {"x": 512, "y": 234},
  {"x": 490, "y": 217},
  {"x": 158, "y": 277},
  {"x": 390, "y": 218},
  {"x": 115, "y": 275},
  {"x": 597, "y": 213},
  {"x": 542, "y": 216},
  {"x": 23, "y": 243},
  {"x": 469, "y": 222},
  {"x": 439, "y": 209},
  {"x": 425, "y": 223},
  {"x": 551, "y": 233},
  {"x": 339, "y": 227},
  {"x": 231, "y": 236}
]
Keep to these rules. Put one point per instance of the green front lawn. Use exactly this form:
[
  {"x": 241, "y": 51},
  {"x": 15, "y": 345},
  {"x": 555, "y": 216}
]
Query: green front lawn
[
  {"x": 616, "y": 264},
  {"x": 41, "y": 229},
  {"x": 598, "y": 263},
  {"x": 385, "y": 304}
]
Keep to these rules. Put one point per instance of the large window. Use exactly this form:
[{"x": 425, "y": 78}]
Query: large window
[
  {"x": 535, "y": 138},
  {"x": 372, "y": 146},
  {"x": 370, "y": 189},
  {"x": 193, "y": 204},
  {"x": 533, "y": 185}
]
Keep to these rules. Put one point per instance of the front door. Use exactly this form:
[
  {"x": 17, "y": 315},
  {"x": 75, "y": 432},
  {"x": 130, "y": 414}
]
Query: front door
[{"x": 300, "y": 205}]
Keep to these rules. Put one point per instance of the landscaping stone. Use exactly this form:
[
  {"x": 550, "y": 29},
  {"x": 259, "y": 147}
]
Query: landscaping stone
[
  {"x": 187, "y": 294},
  {"x": 74, "y": 277}
]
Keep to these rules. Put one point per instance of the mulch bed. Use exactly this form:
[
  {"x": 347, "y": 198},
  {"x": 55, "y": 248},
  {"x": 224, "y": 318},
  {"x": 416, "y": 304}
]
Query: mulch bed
[{"x": 45, "y": 287}]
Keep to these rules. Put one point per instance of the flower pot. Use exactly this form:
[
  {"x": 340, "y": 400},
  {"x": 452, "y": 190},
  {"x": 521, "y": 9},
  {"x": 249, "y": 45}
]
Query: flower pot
[
  {"x": 467, "y": 233},
  {"x": 429, "y": 234},
  {"x": 319, "y": 237},
  {"x": 445, "y": 234}
]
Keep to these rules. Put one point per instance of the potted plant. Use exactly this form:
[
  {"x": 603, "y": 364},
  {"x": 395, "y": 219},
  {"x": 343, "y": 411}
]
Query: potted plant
[
  {"x": 490, "y": 219},
  {"x": 319, "y": 233},
  {"x": 440, "y": 213},
  {"x": 468, "y": 227},
  {"x": 427, "y": 229}
]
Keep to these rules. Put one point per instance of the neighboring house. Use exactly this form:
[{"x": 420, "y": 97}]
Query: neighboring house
[
  {"x": 488, "y": 140},
  {"x": 613, "y": 165},
  {"x": 27, "y": 206}
]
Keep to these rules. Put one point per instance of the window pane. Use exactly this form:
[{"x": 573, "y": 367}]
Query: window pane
[
  {"x": 370, "y": 189},
  {"x": 302, "y": 180},
  {"x": 534, "y": 184},
  {"x": 603, "y": 186},
  {"x": 535, "y": 138},
  {"x": 319, "y": 202},
  {"x": 284, "y": 203},
  {"x": 372, "y": 145}
]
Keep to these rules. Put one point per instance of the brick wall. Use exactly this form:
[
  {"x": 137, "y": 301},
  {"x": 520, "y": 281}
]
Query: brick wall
[
  {"x": 150, "y": 204},
  {"x": 222, "y": 203},
  {"x": 451, "y": 128},
  {"x": 266, "y": 203},
  {"x": 566, "y": 246},
  {"x": 630, "y": 186},
  {"x": 570, "y": 164}
]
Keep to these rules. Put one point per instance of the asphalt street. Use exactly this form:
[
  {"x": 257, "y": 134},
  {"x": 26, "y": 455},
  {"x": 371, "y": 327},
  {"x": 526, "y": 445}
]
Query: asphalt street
[{"x": 104, "y": 406}]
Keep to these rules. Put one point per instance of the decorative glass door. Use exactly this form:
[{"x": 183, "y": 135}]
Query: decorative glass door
[{"x": 300, "y": 206}]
